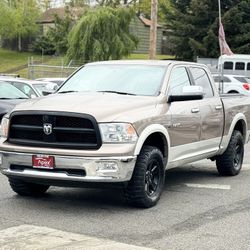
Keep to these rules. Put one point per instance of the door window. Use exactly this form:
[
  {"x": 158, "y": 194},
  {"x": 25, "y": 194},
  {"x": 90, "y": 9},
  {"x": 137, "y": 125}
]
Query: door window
[
  {"x": 201, "y": 79},
  {"x": 26, "y": 89},
  {"x": 178, "y": 79}
]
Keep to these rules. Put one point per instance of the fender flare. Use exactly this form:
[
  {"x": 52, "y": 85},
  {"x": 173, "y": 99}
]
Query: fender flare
[
  {"x": 154, "y": 128},
  {"x": 226, "y": 139}
]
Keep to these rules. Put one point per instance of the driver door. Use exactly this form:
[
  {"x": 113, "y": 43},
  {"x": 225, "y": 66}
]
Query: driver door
[{"x": 185, "y": 127}]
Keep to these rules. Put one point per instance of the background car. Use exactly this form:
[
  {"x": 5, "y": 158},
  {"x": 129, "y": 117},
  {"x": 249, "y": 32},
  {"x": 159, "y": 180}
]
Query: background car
[
  {"x": 31, "y": 88},
  {"x": 58, "y": 80},
  {"x": 233, "y": 84},
  {"x": 9, "y": 97}
]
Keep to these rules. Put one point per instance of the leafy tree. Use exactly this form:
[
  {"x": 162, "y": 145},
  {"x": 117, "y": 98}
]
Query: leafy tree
[
  {"x": 56, "y": 39},
  {"x": 26, "y": 12},
  {"x": 237, "y": 26},
  {"x": 45, "y": 45},
  {"x": 102, "y": 34},
  {"x": 59, "y": 33},
  {"x": 194, "y": 26},
  {"x": 45, "y": 4},
  {"x": 18, "y": 19},
  {"x": 144, "y": 7},
  {"x": 115, "y": 3},
  {"x": 7, "y": 26}
]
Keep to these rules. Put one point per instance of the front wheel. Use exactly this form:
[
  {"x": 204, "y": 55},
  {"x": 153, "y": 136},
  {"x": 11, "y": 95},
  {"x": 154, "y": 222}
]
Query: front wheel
[
  {"x": 146, "y": 185},
  {"x": 230, "y": 162},
  {"x": 26, "y": 188}
]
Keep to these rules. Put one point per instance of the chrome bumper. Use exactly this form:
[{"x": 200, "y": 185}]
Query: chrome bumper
[{"x": 91, "y": 165}]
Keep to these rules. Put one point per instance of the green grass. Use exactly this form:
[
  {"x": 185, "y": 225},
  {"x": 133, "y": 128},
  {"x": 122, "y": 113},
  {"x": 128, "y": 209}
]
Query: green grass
[
  {"x": 145, "y": 57},
  {"x": 12, "y": 59}
]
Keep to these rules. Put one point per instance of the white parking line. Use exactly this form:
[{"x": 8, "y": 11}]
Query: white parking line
[
  {"x": 29, "y": 237},
  {"x": 209, "y": 186}
]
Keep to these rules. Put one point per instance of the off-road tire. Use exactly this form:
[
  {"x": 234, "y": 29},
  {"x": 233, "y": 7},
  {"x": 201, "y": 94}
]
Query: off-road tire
[
  {"x": 230, "y": 162},
  {"x": 149, "y": 174},
  {"x": 27, "y": 189}
]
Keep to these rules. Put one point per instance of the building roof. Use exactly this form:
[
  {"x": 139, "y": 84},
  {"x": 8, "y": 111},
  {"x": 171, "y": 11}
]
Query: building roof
[{"x": 49, "y": 15}]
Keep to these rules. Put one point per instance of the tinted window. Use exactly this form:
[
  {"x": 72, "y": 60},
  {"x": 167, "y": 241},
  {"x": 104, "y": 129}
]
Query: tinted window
[
  {"x": 240, "y": 66},
  {"x": 131, "y": 79},
  {"x": 178, "y": 79},
  {"x": 248, "y": 66},
  {"x": 201, "y": 79},
  {"x": 228, "y": 65},
  {"x": 26, "y": 89},
  {"x": 241, "y": 79}
]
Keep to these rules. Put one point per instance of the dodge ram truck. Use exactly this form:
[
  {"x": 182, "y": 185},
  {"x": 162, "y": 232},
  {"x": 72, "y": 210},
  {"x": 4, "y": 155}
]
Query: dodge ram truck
[{"x": 122, "y": 124}]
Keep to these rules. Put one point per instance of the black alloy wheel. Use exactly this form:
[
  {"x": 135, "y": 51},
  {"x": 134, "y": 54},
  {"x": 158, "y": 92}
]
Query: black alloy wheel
[{"x": 147, "y": 183}]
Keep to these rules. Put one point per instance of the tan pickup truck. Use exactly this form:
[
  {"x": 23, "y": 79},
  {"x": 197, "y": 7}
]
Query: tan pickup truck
[{"x": 122, "y": 124}]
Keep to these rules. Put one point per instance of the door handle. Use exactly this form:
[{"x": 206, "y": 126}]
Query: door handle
[
  {"x": 218, "y": 107},
  {"x": 195, "y": 110}
]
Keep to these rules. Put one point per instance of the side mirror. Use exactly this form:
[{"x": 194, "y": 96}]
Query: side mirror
[
  {"x": 189, "y": 93},
  {"x": 51, "y": 86}
]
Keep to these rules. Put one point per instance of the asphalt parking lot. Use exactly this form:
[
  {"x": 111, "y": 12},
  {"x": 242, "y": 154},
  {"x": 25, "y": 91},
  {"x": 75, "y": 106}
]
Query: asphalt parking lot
[{"x": 198, "y": 210}]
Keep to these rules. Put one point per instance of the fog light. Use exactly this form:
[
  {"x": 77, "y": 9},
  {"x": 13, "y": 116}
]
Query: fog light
[{"x": 107, "y": 166}]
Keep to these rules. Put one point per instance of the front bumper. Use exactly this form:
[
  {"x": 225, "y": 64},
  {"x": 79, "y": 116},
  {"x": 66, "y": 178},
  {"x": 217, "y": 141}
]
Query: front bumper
[{"x": 122, "y": 172}]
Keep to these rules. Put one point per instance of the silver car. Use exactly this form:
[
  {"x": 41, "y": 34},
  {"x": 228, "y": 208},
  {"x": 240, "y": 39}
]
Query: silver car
[{"x": 31, "y": 88}]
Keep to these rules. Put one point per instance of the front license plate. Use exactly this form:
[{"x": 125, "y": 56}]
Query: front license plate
[{"x": 43, "y": 161}]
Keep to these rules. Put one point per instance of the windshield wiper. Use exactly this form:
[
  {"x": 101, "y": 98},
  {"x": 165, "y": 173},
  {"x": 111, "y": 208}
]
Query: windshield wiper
[
  {"x": 67, "y": 91},
  {"x": 14, "y": 98},
  {"x": 116, "y": 92}
]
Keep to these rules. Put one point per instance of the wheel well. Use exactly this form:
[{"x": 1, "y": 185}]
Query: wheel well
[
  {"x": 233, "y": 92},
  {"x": 241, "y": 126},
  {"x": 158, "y": 140}
]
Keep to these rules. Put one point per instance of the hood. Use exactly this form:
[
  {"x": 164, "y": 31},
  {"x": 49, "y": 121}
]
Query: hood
[{"x": 105, "y": 107}]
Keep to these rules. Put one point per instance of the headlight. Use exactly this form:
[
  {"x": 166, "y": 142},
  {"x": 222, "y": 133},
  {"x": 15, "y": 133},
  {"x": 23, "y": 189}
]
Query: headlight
[
  {"x": 4, "y": 129},
  {"x": 118, "y": 133}
]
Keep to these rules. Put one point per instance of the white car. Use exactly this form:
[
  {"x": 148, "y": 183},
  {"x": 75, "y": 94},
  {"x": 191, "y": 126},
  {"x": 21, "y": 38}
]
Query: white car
[
  {"x": 58, "y": 80},
  {"x": 232, "y": 84},
  {"x": 31, "y": 88}
]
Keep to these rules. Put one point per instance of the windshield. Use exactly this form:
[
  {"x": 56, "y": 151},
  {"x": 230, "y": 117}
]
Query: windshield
[
  {"x": 8, "y": 91},
  {"x": 121, "y": 79}
]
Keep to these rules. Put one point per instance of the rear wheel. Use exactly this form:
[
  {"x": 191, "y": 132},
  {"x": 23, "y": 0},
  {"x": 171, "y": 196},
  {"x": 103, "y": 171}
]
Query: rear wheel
[
  {"x": 26, "y": 188},
  {"x": 146, "y": 185},
  {"x": 230, "y": 162}
]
